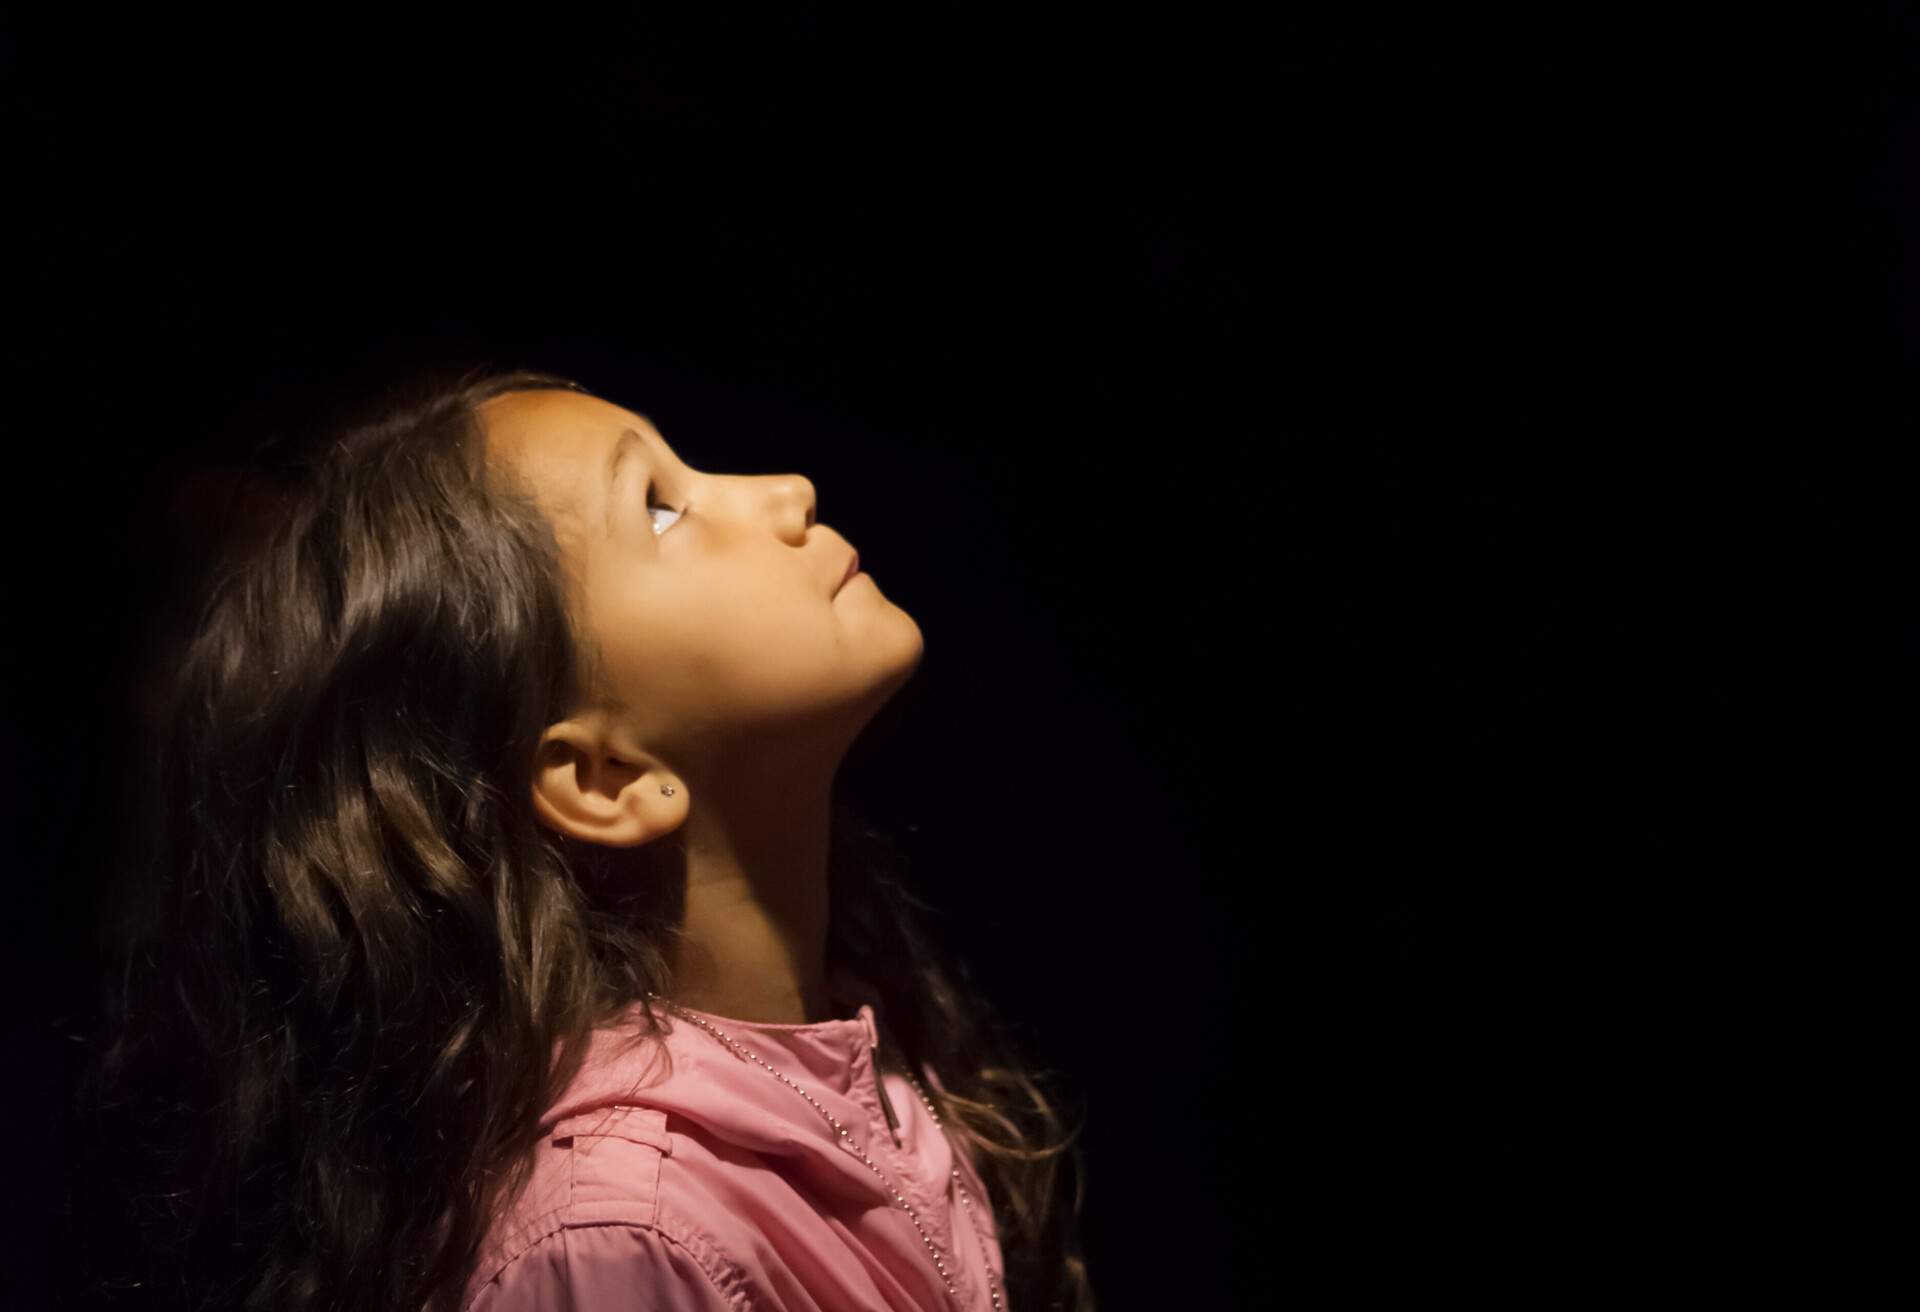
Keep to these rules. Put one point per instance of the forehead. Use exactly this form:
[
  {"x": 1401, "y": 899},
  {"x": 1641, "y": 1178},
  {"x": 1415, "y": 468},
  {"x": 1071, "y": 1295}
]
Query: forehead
[
  {"x": 559, "y": 441},
  {"x": 554, "y": 425}
]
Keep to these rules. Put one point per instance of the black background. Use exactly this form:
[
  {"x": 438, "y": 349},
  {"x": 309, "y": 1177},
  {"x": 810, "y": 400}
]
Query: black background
[{"x": 1350, "y": 469}]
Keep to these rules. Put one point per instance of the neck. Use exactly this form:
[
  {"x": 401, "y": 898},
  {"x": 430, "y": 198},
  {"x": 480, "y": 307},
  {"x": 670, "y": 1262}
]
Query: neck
[{"x": 756, "y": 912}]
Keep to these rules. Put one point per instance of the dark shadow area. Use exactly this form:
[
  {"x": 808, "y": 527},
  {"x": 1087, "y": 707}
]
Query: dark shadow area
[{"x": 1354, "y": 494}]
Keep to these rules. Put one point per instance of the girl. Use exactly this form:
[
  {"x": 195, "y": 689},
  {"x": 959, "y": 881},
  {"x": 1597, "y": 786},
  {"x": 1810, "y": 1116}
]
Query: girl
[{"x": 500, "y": 944}]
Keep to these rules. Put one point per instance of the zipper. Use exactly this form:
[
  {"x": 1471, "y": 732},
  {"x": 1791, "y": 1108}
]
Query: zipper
[
  {"x": 893, "y": 1121},
  {"x": 879, "y": 1082}
]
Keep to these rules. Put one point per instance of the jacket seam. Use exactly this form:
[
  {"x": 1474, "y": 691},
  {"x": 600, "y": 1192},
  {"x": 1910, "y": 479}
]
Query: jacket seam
[
  {"x": 726, "y": 1276},
  {"x": 729, "y": 1281},
  {"x": 523, "y": 1239}
]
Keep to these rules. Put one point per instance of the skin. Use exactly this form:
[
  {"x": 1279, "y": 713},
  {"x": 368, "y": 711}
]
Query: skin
[{"x": 739, "y": 678}]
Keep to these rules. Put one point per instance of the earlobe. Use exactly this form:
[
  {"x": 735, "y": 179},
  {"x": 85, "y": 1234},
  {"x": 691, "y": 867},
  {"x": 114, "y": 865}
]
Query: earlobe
[
  {"x": 582, "y": 792},
  {"x": 591, "y": 818}
]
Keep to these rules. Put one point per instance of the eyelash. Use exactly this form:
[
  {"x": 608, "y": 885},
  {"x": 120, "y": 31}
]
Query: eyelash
[{"x": 650, "y": 506}]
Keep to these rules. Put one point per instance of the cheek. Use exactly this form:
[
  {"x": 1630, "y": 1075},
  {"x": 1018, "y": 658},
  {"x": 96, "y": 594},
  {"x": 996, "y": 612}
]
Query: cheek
[
  {"x": 736, "y": 655},
  {"x": 773, "y": 640}
]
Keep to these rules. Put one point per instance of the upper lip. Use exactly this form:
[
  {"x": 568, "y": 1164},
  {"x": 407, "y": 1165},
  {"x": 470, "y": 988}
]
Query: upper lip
[{"x": 853, "y": 564}]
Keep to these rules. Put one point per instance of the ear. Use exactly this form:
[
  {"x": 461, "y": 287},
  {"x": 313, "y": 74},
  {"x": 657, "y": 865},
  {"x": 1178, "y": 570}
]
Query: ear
[{"x": 583, "y": 789}]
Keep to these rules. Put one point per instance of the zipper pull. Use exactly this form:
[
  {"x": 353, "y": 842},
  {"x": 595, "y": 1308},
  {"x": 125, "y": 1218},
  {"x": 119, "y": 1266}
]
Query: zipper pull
[
  {"x": 886, "y": 1105},
  {"x": 867, "y": 1014}
]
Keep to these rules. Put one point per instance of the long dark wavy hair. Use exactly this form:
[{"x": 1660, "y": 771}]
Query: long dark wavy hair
[{"x": 344, "y": 953}]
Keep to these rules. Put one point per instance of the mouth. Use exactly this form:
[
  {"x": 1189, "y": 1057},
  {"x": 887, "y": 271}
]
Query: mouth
[{"x": 853, "y": 567}]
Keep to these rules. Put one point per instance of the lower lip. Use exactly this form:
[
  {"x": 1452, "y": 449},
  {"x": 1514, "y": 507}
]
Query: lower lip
[{"x": 857, "y": 574}]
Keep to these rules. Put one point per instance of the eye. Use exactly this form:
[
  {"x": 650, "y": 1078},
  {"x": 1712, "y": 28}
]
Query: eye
[{"x": 651, "y": 507}]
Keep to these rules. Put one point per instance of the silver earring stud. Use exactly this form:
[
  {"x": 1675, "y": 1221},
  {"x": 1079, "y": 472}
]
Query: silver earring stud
[{"x": 666, "y": 790}]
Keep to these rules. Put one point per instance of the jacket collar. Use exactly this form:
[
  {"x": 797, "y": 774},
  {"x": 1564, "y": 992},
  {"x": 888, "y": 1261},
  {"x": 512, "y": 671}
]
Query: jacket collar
[{"x": 693, "y": 1071}]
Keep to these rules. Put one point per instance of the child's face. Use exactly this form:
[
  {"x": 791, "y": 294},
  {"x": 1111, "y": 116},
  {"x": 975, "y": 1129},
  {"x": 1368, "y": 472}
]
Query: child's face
[{"x": 720, "y": 612}]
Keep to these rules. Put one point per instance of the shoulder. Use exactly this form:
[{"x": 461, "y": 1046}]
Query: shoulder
[
  {"x": 589, "y": 1232},
  {"x": 607, "y": 1266}
]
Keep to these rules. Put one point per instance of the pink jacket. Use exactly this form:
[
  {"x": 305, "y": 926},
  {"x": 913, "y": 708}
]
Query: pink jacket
[{"x": 719, "y": 1188}]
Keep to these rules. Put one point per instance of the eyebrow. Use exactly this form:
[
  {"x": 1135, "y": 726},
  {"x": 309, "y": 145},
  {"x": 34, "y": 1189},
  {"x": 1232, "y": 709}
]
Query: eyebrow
[{"x": 630, "y": 441}]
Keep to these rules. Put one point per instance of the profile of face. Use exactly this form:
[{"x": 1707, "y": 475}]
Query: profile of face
[{"x": 740, "y": 668}]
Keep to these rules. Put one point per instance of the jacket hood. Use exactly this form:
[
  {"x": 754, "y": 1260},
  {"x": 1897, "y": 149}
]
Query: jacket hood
[
  {"x": 796, "y": 1163},
  {"x": 773, "y": 1097}
]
